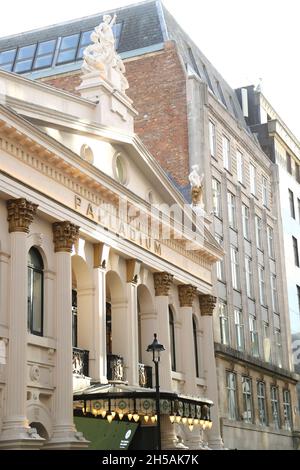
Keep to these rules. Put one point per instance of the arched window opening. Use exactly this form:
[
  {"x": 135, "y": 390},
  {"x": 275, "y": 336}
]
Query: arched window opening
[
  {"x": 196, "y": 347},
  {"x": 172, "y": 339},
  {"x": 35, "y": 292}
]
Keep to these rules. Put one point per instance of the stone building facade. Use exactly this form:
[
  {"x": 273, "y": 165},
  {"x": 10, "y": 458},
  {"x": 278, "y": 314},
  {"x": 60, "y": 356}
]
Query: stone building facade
[{"x": 189, "y": 115}]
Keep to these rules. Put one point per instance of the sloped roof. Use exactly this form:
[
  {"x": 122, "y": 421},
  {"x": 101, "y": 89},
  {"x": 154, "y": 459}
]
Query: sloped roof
[
  {"x": 140, "y": 28},
  {"x": 143, "y": 26}
]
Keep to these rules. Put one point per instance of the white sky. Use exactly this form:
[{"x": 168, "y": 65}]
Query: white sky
[{"x": 245, "y": 39}]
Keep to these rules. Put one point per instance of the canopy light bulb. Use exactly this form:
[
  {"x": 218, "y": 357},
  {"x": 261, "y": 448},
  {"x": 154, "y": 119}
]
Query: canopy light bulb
[
  {"x": 103, "y": 414},
  {"x": 178, "y": 419},
  {"x": 191, "y": 427},
  {"x": 184, "y": 420},
  {"x": 146, "y": 418},
  {"x": 121, "y": 415},
  {"x": 130, "y": 415},
  {"x": 136, "y": 417},
  {"x": 110, "y": 418},
  {"x": 172, "y": 418}
]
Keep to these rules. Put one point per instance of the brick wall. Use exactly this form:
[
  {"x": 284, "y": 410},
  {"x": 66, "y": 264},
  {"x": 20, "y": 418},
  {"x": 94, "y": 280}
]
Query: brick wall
[{"x": 158, "y": 90}]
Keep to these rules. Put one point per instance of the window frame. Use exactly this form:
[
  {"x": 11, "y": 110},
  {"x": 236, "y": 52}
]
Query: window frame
[
  {"x": 252, "y": 179},
  {"x": 217, "y": 196},
  {"x": 275, "y": 407},
  {"x": 232, "y": 390},
  {"x": 287, "y": 415},
  {"x": 226, "y": 153},
  {"x": 196, "y": 347},
  {"x": 31, "y": 270},
  {"x": 247, "y": 397},
  {"x": 292, "y": 204},
  {"x": 240, "y": 166},
  {"x": 235, "y": 268},
  {"x": 224, "y": 323},
  {"x": 261, "y": 399},
  {"x": 212, "y": 139},
  {"x": 239, "y": 329}
]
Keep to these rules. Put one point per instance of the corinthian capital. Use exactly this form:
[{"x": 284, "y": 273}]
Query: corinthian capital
[
  {"x": 20, "y": 214},
  {"x": 187, "y": 294},
  {"x": 65, "y": 234},
  {"x": 162, "y": 284},
  {"x": 207, "y": 305}
]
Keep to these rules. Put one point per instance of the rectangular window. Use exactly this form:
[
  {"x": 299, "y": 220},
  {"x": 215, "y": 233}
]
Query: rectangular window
[
  {"x": 249, "y": 277},
  {"x": 261, "y": 397},
  {"x": 289, "y": 163},
  {"x": 207, "y": 77},
  {"x": 287, "y": 410},
  {"x": 258, "y": 230},
  {"x": 299, "y": 211},
  {"x": 239, "y": 329},
  {"x": 264, "y": 184},
  {"x": 220, "y": 264},
  {"x": 270, "y": 234},
  {"x": 231, "y": 210},
  {"x": 240, "y": 166},
  {"x": 68, "y": 49},
  {"x": 7, "y": 59},
  {"x": 25, "y": 58},
  {"x": 278, "y": 345},
  {"x": 267, "y": 342},
  {"x": 235, "y": 269},
  {"x": 247, "y": 400},
  {"x": 262, "y": 287},
  {"x": 252, "y": 171},
  {"x": 296, "y": 251},
  {"x": 224, "y": 323},
  {"x": 274, "y": 293},
  {"x": 297, "y": 172},
  {"x": 253, "y": 336},
  {"x": 231, "y": 396},
  {"x": 220, "y": 92},
  {"x": 292, "y": 204},
  {"x": 275, "y": 407},
  {"x": 246, "y": 221},
  {"x": 298, "y": 294},
  {"x": 226, "y": 153},
  {"x": 212, "y": 139},
  {"x": 44, "y": 55},
  {"x": 85, "y": 40},
  {"x": 216, "y": 194}
]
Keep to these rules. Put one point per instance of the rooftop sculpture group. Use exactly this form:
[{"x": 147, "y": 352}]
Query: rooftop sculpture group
[{"x": 101, "y": 55}]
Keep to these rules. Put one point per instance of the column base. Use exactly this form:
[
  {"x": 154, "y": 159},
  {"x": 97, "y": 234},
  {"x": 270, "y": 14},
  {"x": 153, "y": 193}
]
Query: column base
[
  {"x": 216, "y": 443},
  {"x": 18, "y": 437},
  {"x": 66, "y": 439}
]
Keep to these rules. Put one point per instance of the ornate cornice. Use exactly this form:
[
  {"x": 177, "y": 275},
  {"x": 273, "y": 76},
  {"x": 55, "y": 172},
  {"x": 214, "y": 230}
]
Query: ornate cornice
[
  {"x": 65, "y": 234},
  {"x": 162, "y": 284},
  {"x": 20, "y": 214},
  {"x": 187, "y": 294},
  {"x": 207, "y": 305}
]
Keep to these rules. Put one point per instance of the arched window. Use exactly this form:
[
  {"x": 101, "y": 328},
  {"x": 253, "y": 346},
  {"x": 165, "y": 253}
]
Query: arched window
[
  {"x": 196, "y": 347},
  {"x": 172, "y": 339},
  {"x": 35, "y": 292}
]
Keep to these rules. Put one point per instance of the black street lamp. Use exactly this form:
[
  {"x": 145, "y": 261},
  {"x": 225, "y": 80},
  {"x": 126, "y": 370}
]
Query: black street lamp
[{"x": 156, "y": 349}]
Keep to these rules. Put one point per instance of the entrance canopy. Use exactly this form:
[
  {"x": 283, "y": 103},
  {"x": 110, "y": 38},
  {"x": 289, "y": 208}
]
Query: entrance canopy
[{"x": 118, "y": 402}]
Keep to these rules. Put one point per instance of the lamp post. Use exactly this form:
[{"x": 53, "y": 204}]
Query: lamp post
[{"x": 156, "y": 348}]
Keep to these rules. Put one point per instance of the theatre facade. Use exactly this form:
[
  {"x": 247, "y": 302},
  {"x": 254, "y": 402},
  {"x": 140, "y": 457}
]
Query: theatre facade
[{"x": 98, "y": 251}]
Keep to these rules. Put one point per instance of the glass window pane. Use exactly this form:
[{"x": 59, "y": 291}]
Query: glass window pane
[
  {"x": 69, "y": 42},
  {"x": 23, "y": 66},
  {"x": 26, "y": 52},
  {"x": 46, "y": 47},
  {"x": 45, "y": 61},
  {"x": 86, "y": 38},
  {"x": 34, "y": 259},
  {"x": 80, "y": 52},
  {"x": 7, "y": 67},
  {"x": 66, "y": 56},
  {"x": 7, "y": 56},
  {"x": 37, "y": 302}
]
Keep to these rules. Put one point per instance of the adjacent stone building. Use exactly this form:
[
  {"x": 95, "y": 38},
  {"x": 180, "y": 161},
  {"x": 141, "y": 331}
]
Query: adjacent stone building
[{"x": 188, "y": 115}]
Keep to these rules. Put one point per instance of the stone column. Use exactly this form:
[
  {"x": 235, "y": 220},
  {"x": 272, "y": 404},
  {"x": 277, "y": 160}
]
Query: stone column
[
  {"x": 162, "y": 285},
  {"x": 99, "y": 371},
  {"x": 187, "y": 294},
  {"x": 64, "y": 433},
  {"x": 16, "y": 433},
  {"x": 207, "y": 305}
]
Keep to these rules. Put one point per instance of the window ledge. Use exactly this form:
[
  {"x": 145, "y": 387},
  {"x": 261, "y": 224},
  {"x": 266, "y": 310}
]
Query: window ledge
[
  {"x": 178, "y": 376},
  {"x": 41, "y": 341}
]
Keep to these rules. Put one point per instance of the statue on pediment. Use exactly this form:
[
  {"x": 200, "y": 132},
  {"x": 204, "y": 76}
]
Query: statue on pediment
[
  {"x": 196, "y": 181},
  {"x": 101, "y": 55}
]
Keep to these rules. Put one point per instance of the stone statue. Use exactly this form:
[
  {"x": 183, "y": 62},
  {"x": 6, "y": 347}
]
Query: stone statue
[
  {"x": 101, "y": 55},
  {"x": 197, "y": 186}
]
